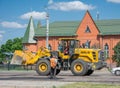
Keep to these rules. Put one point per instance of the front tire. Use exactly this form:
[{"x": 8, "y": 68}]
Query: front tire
[
  {"x": 117, "y": 72},
  {"x": 79, "y": 67},
  {"x": 43, "y": 67}
]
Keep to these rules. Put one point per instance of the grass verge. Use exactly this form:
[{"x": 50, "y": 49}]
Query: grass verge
[{"x": 89, "y": 85}]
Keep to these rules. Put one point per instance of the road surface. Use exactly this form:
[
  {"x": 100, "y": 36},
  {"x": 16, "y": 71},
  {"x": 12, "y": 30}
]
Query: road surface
[{"x": 23, "y": 79}]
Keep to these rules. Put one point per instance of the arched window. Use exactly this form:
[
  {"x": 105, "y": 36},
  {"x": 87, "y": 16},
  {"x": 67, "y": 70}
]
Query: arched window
[
  {"x": 106, "y": 50},
  {"x": 25, "y": 47}
]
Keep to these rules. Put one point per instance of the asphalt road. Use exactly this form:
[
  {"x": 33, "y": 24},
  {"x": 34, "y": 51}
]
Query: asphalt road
[{"x": 23, "y": 79}]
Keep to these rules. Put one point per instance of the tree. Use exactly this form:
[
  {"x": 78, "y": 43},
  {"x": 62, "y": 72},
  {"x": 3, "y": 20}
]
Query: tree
[
  {"x": 10, "y": 46},
  {"x": 116, "y": 56}
]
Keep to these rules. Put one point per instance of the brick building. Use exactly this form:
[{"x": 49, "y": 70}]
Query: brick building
[{"x": 104, "y": 34}]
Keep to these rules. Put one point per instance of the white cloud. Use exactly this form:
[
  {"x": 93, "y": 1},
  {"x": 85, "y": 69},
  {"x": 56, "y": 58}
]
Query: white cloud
[
  {"x": 1, "y": 34},
  {"x": 68, "y": 6},
  {"x": 34, "y": 14},
  {"x": 50, "y": 1},
  {"x": 114, "y": 1},
  {"x": 7, "y": 24}
]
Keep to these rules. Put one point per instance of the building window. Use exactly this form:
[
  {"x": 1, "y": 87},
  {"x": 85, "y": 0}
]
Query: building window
[
  {"x": 87, "y": 44},
  {"x": 87, "y": 30},
  {"x": 106, "y": 50},
  {"x": 25, "y": 47}
]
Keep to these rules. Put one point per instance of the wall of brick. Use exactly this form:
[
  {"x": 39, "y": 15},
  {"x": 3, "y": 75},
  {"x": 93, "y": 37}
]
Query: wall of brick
[
  {"x": 111, "y": 40},
  {"x": 31, "y": 47},
  {"x": 92, "y": 36}
]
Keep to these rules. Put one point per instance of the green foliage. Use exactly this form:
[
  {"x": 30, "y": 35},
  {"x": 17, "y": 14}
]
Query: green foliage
[
  {"x": 116, "y": 56},
  {"x": 10, "y": 46}
]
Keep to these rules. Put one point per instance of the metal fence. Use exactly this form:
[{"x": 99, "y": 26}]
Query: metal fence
[{"x": 16, "y": 67}]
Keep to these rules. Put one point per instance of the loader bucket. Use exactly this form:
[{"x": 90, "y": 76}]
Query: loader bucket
[
  {"x": 16, "y": 60},
  {"x": 26, "y": 58},
  {"x": 23, "y": 58}
]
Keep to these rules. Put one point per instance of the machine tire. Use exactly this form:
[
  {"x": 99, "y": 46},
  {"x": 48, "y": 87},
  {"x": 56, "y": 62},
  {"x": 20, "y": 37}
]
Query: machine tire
[
  {"x": 43, "y": 67},
  {"x": 117, "y": 72},
  {"x": 79, "y": 67},
  {"x": 90, "y": 71}
]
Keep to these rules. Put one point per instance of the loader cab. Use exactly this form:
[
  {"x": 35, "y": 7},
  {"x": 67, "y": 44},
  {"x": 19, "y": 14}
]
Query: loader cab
[{"x": 67, "y": 45}]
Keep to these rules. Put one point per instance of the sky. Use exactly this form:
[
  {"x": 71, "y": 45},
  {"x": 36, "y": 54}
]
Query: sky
[{"x": 15, "y": 14}]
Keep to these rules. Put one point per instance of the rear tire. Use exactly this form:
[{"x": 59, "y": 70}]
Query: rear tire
[
  {"x": 43, "y": 67},
  {"x": 79, "y": 67}
]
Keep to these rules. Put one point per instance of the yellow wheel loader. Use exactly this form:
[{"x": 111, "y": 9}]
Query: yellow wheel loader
[{"x": 80, "y": 61}]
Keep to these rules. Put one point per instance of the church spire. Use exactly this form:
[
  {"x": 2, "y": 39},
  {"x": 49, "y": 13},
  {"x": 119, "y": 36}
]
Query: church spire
[
  {"x": 30, "y": 31},
  {"x": 39, "y": 25}
]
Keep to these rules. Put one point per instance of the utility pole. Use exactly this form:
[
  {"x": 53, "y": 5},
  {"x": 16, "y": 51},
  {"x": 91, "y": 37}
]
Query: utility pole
[{"x": 47, "y": 30}]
